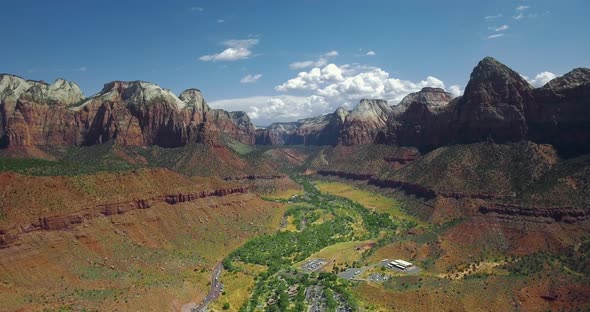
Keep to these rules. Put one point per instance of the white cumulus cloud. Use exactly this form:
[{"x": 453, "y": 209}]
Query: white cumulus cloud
[
  {"x": 264, "y": 110},
  {"x": 236, "y": 50},
  {"x": 371, "y": 53},
  {"x": 345, "y": 85},
  {"x": 455, "y": 90},
  {"x": 321, "y": 90},
  {"x": 251, "y": 78},
  {"x": 541, "y": 79}
]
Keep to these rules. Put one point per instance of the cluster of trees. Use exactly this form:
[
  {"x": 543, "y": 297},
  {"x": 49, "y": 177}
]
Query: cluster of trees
[
  {"x": 575, "y": 259},
  {"x": 285, "y": 248},
  {"x": 530, "y": 265},
  {"x": 578, "y": 259},
  {"x": 280, "y": 250},
  {"x": 302, "y": 214}
]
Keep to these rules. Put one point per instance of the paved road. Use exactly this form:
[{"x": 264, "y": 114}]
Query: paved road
[{"x": 215, "y": 290}]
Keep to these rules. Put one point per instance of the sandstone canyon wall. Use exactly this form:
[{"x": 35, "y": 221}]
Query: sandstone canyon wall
[
  {"x": 126, "y": 113},
  {"x": 498, "y": 105}
]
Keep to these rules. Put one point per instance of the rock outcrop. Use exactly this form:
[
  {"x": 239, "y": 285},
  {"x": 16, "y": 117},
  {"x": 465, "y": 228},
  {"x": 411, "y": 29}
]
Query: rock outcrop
[
  {"x": 544, "y": 214},
  {"x": 279, "y": 133},
  {"x": 560, "y": 112},
  {"x": 493, "y": 105},
  {"x": 235, "y": 125},
  {"x": 363, "y": 125},
  {"x": 34, "y": 110},
  {"x": 365, "y": 122},
  {"x": 498, "y": 105},
  {"x": 254, "y": 177},
  {"x": 133, "y": 113},
  {"x": 181, "y": 198},
  {"x": 60, "y": 92},
  {"x": 433, "y": 98},
  {"x": 126, "y": 113},
  {"x": 321, "y": 130}
]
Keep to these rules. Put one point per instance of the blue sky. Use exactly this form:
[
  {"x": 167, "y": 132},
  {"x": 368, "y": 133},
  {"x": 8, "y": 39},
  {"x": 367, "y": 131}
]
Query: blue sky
[{"x": 250, "y": 53}]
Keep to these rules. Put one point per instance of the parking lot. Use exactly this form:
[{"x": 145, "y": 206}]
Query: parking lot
[
  {"x": 378, "y": 278},
  {"x": 315, "y": 297},
  {"x": 352, "y": 273},
  {"x": 314, "y": 265}
]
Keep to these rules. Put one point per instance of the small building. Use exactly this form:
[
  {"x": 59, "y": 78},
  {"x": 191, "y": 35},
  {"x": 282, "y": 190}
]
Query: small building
[
  {"x": 400, "y": 264},
  {"x": 292, "y": 291}
]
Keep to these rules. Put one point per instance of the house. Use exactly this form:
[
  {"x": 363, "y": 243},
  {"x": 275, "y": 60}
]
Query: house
[{"x": 292, "y": 291}]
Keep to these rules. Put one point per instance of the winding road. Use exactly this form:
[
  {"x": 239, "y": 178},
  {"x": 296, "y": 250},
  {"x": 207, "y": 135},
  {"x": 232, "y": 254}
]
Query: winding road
[{"x": 214, "y": 292}]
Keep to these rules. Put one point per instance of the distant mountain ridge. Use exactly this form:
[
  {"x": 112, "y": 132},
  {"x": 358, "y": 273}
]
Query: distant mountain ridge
[
  {"x": 498, "y": 105},
  {"x": 123, "y": 112}
]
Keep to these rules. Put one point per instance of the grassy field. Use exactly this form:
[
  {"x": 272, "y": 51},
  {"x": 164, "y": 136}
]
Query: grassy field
[{"x": 371, "y": 200}]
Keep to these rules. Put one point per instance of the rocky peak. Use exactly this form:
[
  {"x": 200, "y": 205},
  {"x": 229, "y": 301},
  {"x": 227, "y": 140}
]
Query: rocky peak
[
  {"x": 433, "y": 98},
  {"x": 313, "y": 123},
  {"x": 371, "y": 107},
  {"x": 60, "y": 92},
  {"x": 365, "y": 121},
  {"x": 241, "y": 118},
  {"x": 494, "y": 103},
  {"x": 194, "y": 98},
  {"x": 11, "y": 87},
  {"x": 283, "y": 126},
  {"x": 573, "y": 79},
  {"x": 493, "y": 77},
  {"x": 137, "y": 94},
  {"x": 494, "y": 84},
  {"x": 373, "y": 111},
  {"x": 340, "y": 114}
]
